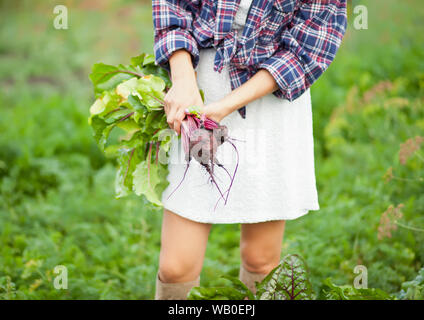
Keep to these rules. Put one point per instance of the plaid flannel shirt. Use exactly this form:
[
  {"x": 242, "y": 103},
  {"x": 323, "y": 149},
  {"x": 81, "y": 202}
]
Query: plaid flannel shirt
[{"x": 295, "y": 40}]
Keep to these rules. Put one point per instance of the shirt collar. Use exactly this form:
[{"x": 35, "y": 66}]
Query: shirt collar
[{"x": 226, "y": 10}]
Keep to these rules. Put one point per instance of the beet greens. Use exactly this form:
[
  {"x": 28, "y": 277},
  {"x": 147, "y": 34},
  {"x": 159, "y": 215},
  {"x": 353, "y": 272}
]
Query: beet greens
[{"x": 129, "y": 98}]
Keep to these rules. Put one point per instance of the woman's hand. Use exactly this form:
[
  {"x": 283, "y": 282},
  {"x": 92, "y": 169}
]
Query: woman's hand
[
  {"x": 215, "y": 111},
  {"x": 184, "y": 91},
  {"x": 261, "y": 84}
]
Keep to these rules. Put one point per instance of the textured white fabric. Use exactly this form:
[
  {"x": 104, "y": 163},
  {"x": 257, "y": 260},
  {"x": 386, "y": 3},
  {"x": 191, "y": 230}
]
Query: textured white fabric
[
  {"x": 275, "y": 179},
  {"x": 241, "y": 14}
]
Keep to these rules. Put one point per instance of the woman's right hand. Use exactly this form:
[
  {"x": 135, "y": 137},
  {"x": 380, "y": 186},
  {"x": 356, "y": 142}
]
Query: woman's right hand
[{"x": 184, "y": 91}]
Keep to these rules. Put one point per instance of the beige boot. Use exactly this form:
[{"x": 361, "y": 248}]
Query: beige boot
[
  {"x": 249, "y": 278},
  {"x": 174, "y": 291}
]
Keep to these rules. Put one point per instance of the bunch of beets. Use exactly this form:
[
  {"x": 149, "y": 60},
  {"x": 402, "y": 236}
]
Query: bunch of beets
[
  {"x": 129, "y": 98},
  {"x": 201, "y": 138}
]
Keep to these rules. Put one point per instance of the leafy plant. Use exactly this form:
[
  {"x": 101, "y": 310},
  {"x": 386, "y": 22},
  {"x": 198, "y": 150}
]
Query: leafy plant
[
  {"x": 413, "y": 290},
  {"x": 129, "y": 98},
  {"x": 389, "y": 220},
  {"x": 288, "y": 281},
  {"x": 348, "y": 292},
  {"x": 237, "y": 291},
  {"x": 7, "y": 288}
]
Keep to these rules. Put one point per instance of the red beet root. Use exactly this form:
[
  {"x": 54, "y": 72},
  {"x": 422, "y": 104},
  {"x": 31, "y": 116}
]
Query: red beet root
[{"x": 200, "y": 139}]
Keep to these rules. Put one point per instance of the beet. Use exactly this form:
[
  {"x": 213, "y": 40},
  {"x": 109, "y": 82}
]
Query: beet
[{"x": 201, "y": 137}]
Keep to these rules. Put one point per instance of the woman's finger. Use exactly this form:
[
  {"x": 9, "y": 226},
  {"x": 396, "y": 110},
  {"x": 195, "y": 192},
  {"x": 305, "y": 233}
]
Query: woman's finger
[
  {"x": 166, "y": 107},
  {"x": 177, "y": 122},
  {"x": 170, "y": 118}
]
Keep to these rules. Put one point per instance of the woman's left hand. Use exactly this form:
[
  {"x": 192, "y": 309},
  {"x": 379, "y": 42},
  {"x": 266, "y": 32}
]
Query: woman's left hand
[
  {"x": 261, "y": 84},
  {"x": 215, "y": 111}
]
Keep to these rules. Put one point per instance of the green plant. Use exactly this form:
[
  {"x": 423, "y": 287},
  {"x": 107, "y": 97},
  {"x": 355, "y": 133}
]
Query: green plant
[
  {"x": 389, "y": 220},
  {"x": 7, "y": 288},
  {"x": 288, "y": 281},
  {"x": 348, "y": 292},
  {"x": 129, "y": 98},
  {"x": 413, "y": 290}
]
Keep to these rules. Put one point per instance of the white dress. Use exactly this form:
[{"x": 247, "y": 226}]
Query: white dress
[{"x": 275, "y": 178}]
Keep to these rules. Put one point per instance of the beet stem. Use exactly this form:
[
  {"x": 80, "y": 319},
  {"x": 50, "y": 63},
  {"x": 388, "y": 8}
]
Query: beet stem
[
  {"x": 231, "y": 178},
  {"x": 222, "y": 166},
  {"x": 156, "y": 98},
  {"x": 235, "y": 170},
  {"x": 213, "y": 180},
  {"x": 149, "y": 159},
  {"x": 157, "y": 152},
  {"x": 129, "y": 162},
  {"x": 126, "y": 117},
  {"x": 185, "y": 172}
]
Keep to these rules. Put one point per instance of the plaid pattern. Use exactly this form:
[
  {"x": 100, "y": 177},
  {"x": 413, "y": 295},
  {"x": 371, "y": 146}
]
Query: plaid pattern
[{"x": 295, "y": 40}]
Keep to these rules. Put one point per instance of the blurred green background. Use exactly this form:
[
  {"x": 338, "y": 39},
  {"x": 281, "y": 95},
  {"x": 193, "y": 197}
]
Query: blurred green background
[{"x": 57, "y": 204}]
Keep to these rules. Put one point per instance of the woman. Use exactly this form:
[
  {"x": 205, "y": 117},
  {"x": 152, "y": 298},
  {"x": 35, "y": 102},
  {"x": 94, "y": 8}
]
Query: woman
[{"x": 255, "y": 61}]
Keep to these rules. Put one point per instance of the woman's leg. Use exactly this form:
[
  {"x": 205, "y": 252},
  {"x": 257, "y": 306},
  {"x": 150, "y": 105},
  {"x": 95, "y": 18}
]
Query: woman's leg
[
  {"x": 260, "y": 250},
  {"x": 183, "y": 246}
]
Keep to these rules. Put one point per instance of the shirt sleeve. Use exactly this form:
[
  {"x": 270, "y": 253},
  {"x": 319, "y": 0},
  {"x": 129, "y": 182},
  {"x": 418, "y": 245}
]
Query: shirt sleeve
[
  {"x": 307, "y": 47},
  {"x": 172, "y": 21}
]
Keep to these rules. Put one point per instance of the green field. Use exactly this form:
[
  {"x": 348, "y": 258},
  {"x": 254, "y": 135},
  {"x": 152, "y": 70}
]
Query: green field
[{"x": 57, "y": 204}]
